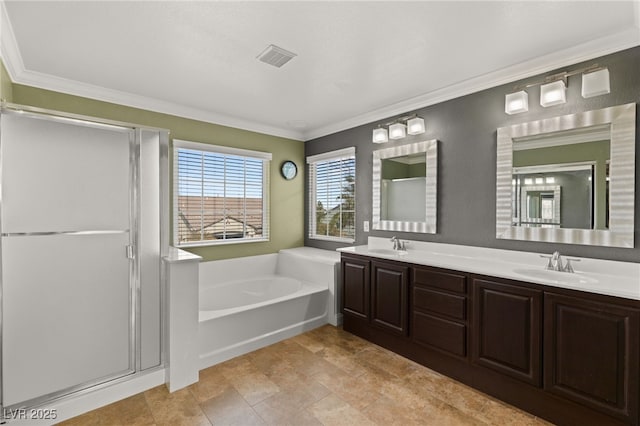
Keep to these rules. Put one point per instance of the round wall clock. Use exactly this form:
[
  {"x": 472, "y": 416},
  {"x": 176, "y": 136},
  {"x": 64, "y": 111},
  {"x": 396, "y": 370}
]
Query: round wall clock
[{"x": 289, "y": 170}]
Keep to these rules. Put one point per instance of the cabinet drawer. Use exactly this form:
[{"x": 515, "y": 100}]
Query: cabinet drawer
[
  {"x": 442, "y": 280},
  {"x": 447, "y": 336},
  {"x": 439, "y": 303}
]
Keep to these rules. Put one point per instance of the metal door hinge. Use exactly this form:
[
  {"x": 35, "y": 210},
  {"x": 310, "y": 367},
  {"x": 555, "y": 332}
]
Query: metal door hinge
[{"x": 130, "y": 252}]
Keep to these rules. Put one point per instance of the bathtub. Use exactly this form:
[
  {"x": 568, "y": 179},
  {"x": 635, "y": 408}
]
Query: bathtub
[{"x": 251, "y": 302}]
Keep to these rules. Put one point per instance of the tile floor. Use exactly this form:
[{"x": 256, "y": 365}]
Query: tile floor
[{"x": 324, "y": 377}]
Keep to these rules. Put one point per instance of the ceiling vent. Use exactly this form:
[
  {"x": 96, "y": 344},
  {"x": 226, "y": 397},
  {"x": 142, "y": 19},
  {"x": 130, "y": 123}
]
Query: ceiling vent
[{"x": 276, "y": 56}]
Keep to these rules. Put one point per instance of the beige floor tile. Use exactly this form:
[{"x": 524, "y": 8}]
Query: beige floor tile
[
  {"x": 308, "y": 363},
  {"x": 382, "y": 359},
  {"x": 300, "y": 418},
  {"x": 177, "y": 408},
  {"x": 230, "y": 408},
  {"x": 91, "y": 418},
  {"x": 353, "y": 391},
  {"x": 236, "y": 367},
  {"x": 463, "y": 398},
  {"x": 270, "y": 363},
  {"x": 344, "y": 360},
  {"x": 254, "y": 386},
  {"x": 263, "y": 359},
  {"x": 287, "y": 405},
  {"x": 291, "y": 380},
  {"x": 309, "y": 342},
  {"x": 323, "y": 377},
  {"x": 211, "y": 384},
  {"x": 332, "y": 336},
  {"x": 428, "y": 382},
  {"x": 447, "y": 415},
  {"x": 333, "y": 411},
  {"x": 385, "y": 411}
]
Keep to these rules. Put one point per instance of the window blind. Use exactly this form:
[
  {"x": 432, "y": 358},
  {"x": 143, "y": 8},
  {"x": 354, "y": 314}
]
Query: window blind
[
  {"x": 332, "y": 195},
  {"x": 219, "y": 196}
]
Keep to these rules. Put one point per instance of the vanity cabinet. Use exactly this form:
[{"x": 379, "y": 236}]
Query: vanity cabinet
[
  {"x": 568, "y": 356},
  {"x": 507, "y": 324},
  {"x": 439, "y": 311},
  {"x": 377, "y": 293},
  {"x": 355, "y": 287},
  {"x": 591, "y": 353},
  {"x": 389, "y": 297}
]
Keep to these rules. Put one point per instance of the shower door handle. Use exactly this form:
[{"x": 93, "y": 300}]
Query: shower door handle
[{"x": 129, "y": 252}]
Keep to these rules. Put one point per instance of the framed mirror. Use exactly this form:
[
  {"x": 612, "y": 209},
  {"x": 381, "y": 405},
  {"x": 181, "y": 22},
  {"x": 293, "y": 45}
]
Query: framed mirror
[
  {"x": 405, "y": 187},
  {"x": 568, "y": 179}
]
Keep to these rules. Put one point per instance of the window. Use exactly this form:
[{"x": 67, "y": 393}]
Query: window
[
  {"x": 219, "y": 194},
  {"x": 332, "y": 195}
]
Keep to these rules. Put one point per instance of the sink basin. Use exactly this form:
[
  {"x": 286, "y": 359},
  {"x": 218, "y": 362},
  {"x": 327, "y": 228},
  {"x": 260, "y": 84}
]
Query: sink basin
[
  {"x": 387, "y": 252},
  {"x": 556, "y": 277}
]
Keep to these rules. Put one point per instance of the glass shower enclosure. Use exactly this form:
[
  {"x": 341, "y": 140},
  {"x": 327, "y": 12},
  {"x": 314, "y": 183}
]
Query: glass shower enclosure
[{"x": 82, "y": 232}]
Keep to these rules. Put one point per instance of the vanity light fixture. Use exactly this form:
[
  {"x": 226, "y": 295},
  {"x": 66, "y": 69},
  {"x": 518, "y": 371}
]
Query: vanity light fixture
[
  {"x": 553, "y": 88},
  {"x": 399, "y": 128},
  {"x": 554, "y": 93},
  {"x": 380, "y": 135},
  {"x": 397, "y": 131},
  {"x": 595, "y": 83},
  {"x": 415, "y": 126},
  {"x": 515, "y": 103}
]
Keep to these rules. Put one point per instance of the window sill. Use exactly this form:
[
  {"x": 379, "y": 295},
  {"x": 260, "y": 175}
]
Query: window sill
[
  {"x": 220, "y": 243},
  {"x": 332, "y": 239}
]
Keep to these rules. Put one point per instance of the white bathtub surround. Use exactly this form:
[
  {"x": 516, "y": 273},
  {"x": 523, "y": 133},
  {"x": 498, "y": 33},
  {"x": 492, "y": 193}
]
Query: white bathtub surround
[
  {"x": 612, "y": 278},
  {"x": 181, "y": 275},
  {"x": 324, "y": 267},
  {"x": 251, "y": 302}
]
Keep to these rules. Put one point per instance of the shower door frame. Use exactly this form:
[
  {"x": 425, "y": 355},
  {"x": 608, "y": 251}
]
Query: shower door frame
[{"x": 133, "y": 250}]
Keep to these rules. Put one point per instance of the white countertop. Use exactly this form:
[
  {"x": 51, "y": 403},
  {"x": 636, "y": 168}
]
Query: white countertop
[{"x": 612, "y": 278}]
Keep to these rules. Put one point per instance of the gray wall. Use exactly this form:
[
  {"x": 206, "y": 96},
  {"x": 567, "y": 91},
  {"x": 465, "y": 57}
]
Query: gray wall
[{"x": 466, "y": 128}]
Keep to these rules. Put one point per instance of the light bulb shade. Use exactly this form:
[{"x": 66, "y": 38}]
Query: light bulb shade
[
  {"x": 515, "y": 103},
  {"x": 595, "y": 83},
  {"x": 397, "y": 131},
  {"x": 415, "y": 126},
  {"x": 380, "y": 135},
  {"x": 553, "y": 93}
]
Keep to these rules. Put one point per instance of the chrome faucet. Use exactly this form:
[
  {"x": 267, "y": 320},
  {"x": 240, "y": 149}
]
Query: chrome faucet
[
  {"x": 555, "y": 263},
  {"x": 397, "y": 244}
]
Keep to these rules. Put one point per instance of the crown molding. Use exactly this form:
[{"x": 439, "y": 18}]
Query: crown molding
[
  {"x": 48, "y": 82},
  {"x": 10, "y": 54},
  {"x": 582, "y": 52}
]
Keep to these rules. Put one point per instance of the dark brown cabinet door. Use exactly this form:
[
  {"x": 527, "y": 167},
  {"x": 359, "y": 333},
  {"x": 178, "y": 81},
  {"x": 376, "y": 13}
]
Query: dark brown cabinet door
[
  {"x": 389, "y": 297},
  {"x": 355, "y": 287},
  {"x": 506, "y": 329},
  {"x": 591, "y": 354}
]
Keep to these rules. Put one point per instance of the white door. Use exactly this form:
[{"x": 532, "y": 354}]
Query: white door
[{"x": 66, "y": 221}]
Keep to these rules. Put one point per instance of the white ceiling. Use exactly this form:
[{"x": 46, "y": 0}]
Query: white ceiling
[{"x": 357, "y": 61}]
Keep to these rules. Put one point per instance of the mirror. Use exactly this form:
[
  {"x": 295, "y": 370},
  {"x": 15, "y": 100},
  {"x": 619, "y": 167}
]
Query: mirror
[
  {"x": 568, "y": 179},
  {"x": 405, "y": 187}
]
